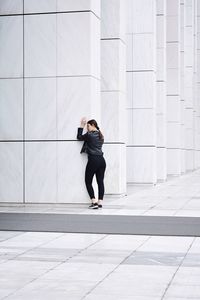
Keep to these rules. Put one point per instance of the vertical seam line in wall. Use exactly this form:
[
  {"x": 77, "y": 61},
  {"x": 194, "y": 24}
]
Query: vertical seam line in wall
[{"x": 23, "y": 82}]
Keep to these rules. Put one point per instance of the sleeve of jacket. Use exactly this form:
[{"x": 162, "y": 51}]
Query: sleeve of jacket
[{"x": 81, "y": 136}]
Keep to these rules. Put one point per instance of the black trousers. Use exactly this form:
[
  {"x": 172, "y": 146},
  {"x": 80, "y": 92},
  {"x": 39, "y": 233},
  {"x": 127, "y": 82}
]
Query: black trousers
[{"x": 96, "y": 166}]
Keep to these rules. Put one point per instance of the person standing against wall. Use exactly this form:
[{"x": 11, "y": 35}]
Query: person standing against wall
[{"x": 96, "y": 165}]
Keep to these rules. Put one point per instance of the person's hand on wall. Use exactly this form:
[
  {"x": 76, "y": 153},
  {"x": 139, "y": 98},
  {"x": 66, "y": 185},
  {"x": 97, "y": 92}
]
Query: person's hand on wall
[{"x": 83, "y": 122}]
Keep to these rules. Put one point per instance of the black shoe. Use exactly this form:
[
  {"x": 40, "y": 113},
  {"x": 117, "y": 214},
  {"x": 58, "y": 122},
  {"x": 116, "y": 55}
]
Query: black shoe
[
  {"x": 94, "y": 206},
  {"x": 100, "y": 206}
]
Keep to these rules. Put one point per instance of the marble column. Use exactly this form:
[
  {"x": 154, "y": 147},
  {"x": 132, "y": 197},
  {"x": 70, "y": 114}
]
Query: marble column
[
  {"x": 173, "y": 88},
  {"x": 113, "y": 93},
  {"x": 189, "y": 83},
  {"x": 161, "y": 90},
  {"x": 50, "y": 78},
  {"x": 11, "y": 101},
  {"x": 197, "y": 95},
  {"x": 182, "y": 85},
  {"x": 141, "y": 91}
]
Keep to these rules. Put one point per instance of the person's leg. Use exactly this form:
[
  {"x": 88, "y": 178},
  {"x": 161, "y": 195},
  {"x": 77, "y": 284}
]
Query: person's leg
[
  {"x": 100, "y": 180},
  {"x": 89, "y": 174}
]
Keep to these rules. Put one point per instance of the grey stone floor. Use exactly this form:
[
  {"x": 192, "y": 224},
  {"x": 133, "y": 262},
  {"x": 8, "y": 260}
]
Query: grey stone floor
[
  {"x": 49, "y": 266},
  {"x": 75, "y": 266}
]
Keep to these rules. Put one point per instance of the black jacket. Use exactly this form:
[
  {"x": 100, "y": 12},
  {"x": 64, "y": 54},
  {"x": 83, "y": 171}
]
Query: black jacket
[{"x": 92, "y": 142}]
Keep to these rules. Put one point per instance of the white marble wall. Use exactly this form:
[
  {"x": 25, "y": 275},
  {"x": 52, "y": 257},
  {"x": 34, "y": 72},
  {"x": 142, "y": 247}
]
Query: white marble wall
[
  {"x": 182, "y": 85},
  {"x": 197, "y": 79},
  {"x": 173, "y": 88},
  {"x": 49, "y": 79},
  {"x": 161, "y": 90},
  {"x": 148, "y": 108},
  {"x": 189, "y": 84},
  {"x": 141, "y": 91},
  {"x": 113, "y": 93}
]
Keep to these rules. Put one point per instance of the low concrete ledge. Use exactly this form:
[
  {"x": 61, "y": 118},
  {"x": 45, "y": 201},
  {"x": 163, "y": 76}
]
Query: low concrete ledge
[{"x": 104, "y": 224}]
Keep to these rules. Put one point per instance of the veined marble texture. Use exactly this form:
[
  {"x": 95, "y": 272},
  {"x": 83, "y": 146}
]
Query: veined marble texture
[
  {"x": 40, "y": 45},
  {"x": 129, "y": 52},
  {"x": 188, "y": 36},
  {"x": 189, "y": 18},
  {"x": 11, "y": 109},
  {"x": 188, "y": 56},
  {"x": 173, "y": 109},
  {"x": 173, "y": 32},
  {"x": 113, "y": 116},
  {"x": 11, "y": 46},
  {"x": 11, "y": 175},
  {"x": 183, "y": 160},
  {"x": 40, "y": 172},
  {"x": 188, "y": 77},
  {"x": 161, "y": 97},
  {"x": 189, "y": 138},
  {"x": 161, "y": 130},
  {"x": 189, "y": 117},
  {"x": 173, "y": 7},
  {"x": 173, "y": 161},
  {"x": 173, "y": 55},
  {"x": 161, "y": 31},
  {"x": 141, "y": 164},
  {"x": 161, "y": 164},
  {"x": 144, "y": 127},
  {"x": 143, "y": 89},
  {"x": 144, "y": 52},
  {"x": 77, "y": 97},
  {"x": 115, "y": 175},
  {"x": 129, "y": 91},
  {"x": 173, "y": 82},
  {"x": 71, "y": 173},
  {"x": 11, "y": 7},
  {"x": 40, "y": 108},
  {"x": 113, "y": 16},
  {"x": 78, "y": 31},
  {"x": 141, "y": 16},
  {"x": 189, "y": 154},
  {"x": 161, "y": 64},
  {"x": 113, "y": 65},
  {"x": 188, "y": 95},
  {"x": 173, "y": 135}
]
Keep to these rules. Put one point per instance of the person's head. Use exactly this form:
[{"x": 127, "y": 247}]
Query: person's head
[{"x": 92, "y": 126}]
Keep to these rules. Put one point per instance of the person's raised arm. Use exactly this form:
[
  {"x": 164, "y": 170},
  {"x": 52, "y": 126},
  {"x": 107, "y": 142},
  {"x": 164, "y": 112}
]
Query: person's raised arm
[{"x": 80, "y": 135}]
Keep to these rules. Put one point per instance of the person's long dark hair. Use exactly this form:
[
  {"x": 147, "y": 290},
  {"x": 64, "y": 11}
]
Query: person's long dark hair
[{"x": 94, "y": 123}]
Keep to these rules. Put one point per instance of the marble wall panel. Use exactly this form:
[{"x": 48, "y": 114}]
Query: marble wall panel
[
  {"x": 40, "y": 172},
  {"x": 11, "y": 46},
  {"x": 173, "y": 135},
  {"x": 144, "y": 127},
  {"x": 73, "y": 104},
  {"x": 144, "y": 89},
  {"x": 77, "y": 31},
  {"x": 11, "y": 109},
  {"x": 10, "y": 7},
  {"x": 11, "y": 175},
  {"x": 40, "y": 45},
  {"x": 143, "y": 51},
  {"x": 142, "y": 165},
  {"x": 173, "y": 109},
  {"x": 40, "y": 108},
  {"x": 111, "y": 64}
]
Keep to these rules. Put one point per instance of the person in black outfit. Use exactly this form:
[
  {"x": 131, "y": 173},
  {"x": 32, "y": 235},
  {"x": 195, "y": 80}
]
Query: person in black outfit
[{"x": 93, "y": 142}]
